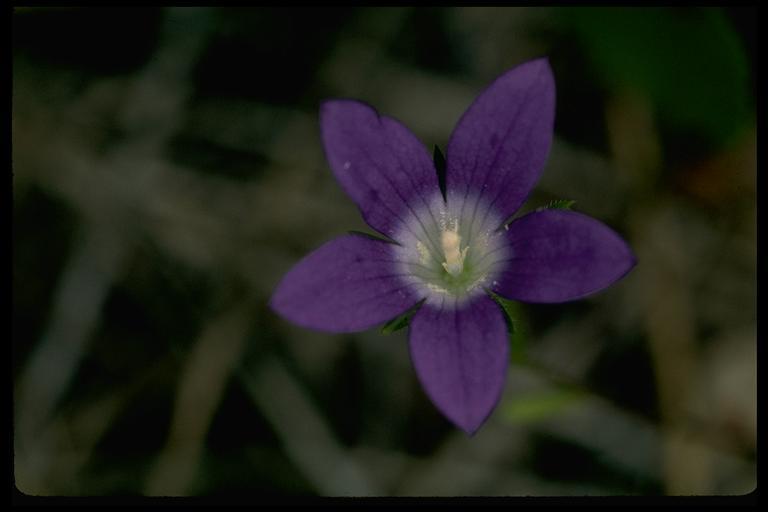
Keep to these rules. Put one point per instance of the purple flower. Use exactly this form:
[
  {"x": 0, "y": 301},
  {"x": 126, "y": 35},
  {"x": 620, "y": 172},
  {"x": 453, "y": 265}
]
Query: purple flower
[{"x": 450, "y": 252}]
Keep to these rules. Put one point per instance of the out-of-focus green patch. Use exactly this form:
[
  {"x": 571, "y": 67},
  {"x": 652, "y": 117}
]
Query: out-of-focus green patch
[
  {"x": 540, "y": 405},
  {"x": 689, "y": 61},
  {"x": 518, "y": 328},
  {"x": 396, "y": 324}
]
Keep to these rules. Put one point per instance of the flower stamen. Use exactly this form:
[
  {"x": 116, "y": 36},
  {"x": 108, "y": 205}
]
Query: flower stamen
[{"x": 454, "y": 254}]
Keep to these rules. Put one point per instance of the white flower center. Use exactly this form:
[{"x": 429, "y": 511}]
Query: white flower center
[{"x": 451, "y": 250}]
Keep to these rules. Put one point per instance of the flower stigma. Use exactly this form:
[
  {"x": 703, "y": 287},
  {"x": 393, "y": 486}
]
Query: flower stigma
[{"x": 454, "y": 255}]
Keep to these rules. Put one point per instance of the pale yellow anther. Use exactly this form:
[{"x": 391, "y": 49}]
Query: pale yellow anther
[{"x": 454, "y": 255}]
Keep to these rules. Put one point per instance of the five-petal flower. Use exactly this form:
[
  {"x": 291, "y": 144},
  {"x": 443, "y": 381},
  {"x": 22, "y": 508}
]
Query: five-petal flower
[{"x": 450, "y": 252}]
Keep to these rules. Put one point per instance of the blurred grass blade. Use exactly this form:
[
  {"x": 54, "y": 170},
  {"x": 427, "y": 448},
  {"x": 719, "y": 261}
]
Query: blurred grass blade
[{"x": 541, "y": 405}]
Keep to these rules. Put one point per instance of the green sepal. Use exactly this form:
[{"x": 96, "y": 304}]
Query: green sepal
[
  {"x": 517, "y": 331},
  {"x": 400, "y": 321},
  {"x": 540, "y": 405},
  {"x": 378, "y": 238},
  {"x": 559, "y": 204},
  {"x": 439, "y": 159}
]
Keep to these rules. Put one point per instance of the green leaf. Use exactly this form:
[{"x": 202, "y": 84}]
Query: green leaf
[
  {"x": 401, "y": 321},
  {"x": 439, "y": 159},
  {"x": 540, "y": 405},
  {"x": 560, "y": 204}
]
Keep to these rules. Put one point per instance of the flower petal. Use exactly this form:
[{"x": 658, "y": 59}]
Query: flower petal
[
  {"x": 349, "y": 284},
  {"x": 500, "y": 145},
  {"x": 460, "y": 355},
  {"x": 560, "y": 255},
  {"x": 379, "y": 163}
]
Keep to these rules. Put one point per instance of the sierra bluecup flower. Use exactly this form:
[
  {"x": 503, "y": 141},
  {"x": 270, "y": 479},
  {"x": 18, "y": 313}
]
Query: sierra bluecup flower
[{"x": 450, "y": 252}]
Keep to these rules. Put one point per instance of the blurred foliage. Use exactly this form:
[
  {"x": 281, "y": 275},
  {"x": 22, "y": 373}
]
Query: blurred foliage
[
  {"x": 439, "y": 159},
  {"x": 690, "y": 61},
  {"x": 269, "y": 54}
]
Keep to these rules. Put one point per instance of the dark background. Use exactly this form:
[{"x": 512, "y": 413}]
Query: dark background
[{"x": 167, "y": 171}]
